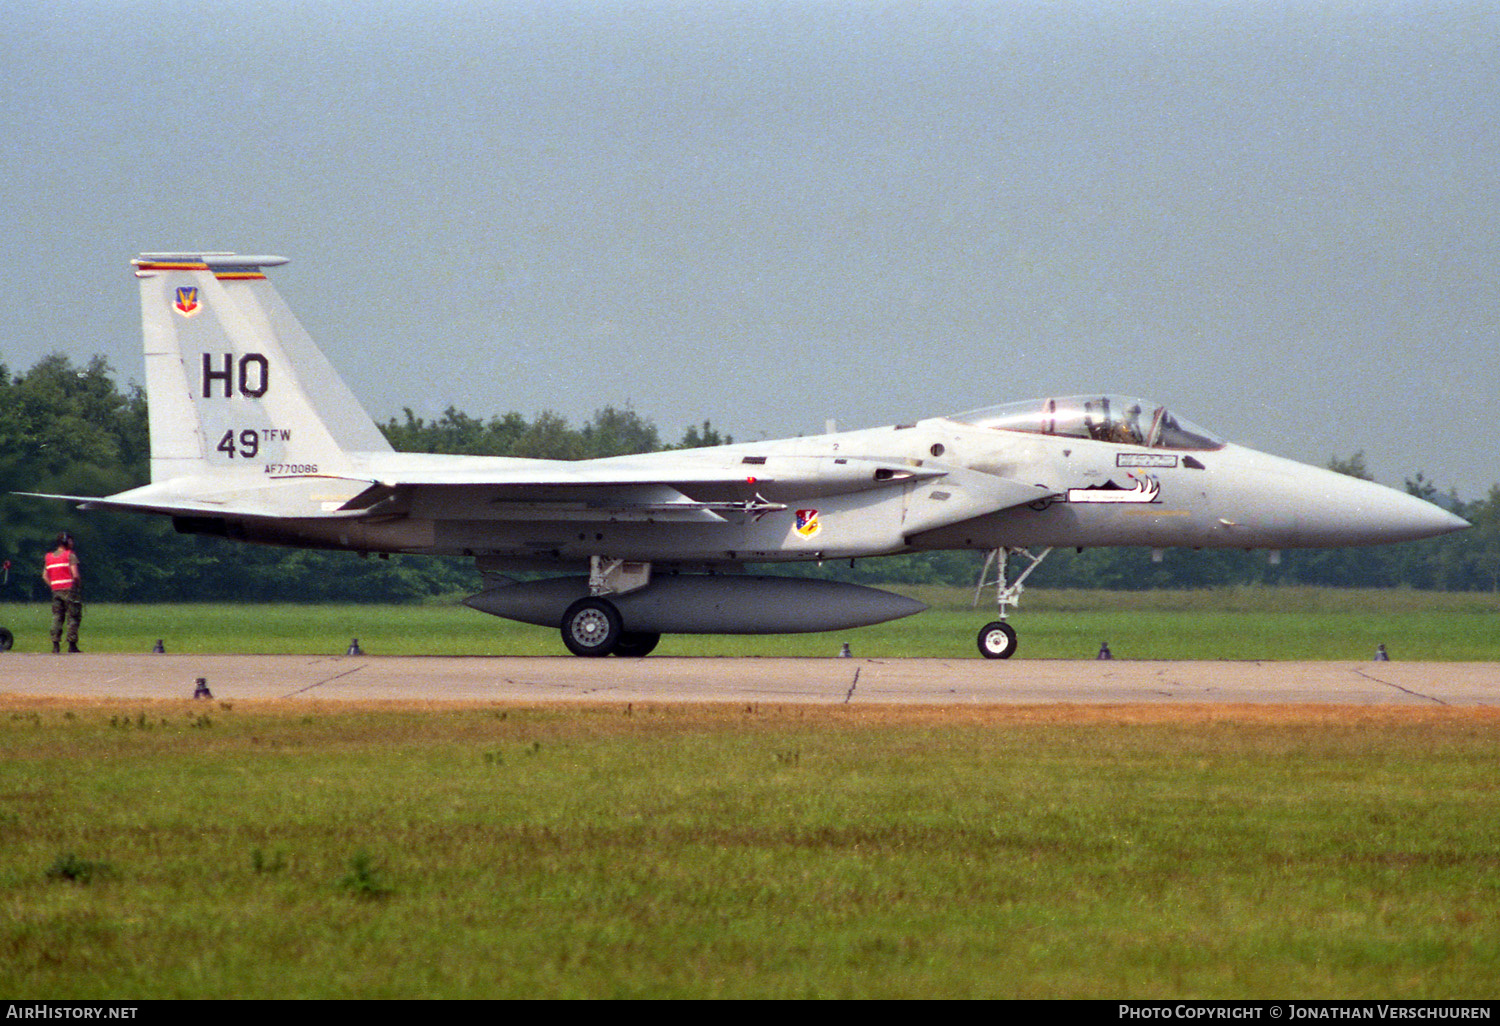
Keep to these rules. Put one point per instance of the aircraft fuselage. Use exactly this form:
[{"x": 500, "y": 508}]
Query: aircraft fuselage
[{"x": 1090, "y": 493}]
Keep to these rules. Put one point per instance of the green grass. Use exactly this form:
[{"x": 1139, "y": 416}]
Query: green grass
[
  {"x": 1238, "y": 623},
  {"x": 190, "y": 850}
]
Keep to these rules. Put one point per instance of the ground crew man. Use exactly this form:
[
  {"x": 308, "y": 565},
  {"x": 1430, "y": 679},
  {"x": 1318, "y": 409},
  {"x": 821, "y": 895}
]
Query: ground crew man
[{"x": 60, "y": 571}]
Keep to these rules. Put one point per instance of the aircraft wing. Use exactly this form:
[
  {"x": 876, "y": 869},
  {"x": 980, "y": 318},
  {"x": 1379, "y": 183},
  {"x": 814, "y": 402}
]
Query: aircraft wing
[
  {"x": 628, "y": 488},
  {"x": 381, "y": 500},
  {"x": 625, "y": 489},
  {"x": 664, "y": 490},
  {"x": 826, "y": 473}
]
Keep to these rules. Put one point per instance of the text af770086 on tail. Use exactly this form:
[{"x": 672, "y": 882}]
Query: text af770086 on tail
[{"x": 254, "y": 436}]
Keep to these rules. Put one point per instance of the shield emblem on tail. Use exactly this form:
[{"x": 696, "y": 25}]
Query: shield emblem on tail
[{"x": 187, "y": 300}]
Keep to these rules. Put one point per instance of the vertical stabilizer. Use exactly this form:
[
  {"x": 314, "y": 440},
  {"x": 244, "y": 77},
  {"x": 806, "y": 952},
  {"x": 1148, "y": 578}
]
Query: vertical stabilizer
[{"x": 233, "y": 381}]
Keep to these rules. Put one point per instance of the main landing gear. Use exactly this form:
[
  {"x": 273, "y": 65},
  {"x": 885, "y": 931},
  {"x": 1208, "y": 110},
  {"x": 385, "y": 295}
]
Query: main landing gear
[
  {"x": 997, "y": 639},
  {"x": 592, "y": 626}
]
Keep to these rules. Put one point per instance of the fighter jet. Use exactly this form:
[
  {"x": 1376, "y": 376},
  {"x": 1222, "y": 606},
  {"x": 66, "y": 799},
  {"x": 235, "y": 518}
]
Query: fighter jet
[{"x": 255, "y": 437}]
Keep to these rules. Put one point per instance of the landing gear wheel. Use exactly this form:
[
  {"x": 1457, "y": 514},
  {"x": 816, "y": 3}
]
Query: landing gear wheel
[
  {"x": 997, "y": 640},
  {"x": 636, "y": 643},
  {"x": 591, "y": 627},
  {"x": 7, "y": 639}
]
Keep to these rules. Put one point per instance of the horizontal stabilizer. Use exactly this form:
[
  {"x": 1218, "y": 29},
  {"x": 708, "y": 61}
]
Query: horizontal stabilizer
[{"x": 300, "y": 499}]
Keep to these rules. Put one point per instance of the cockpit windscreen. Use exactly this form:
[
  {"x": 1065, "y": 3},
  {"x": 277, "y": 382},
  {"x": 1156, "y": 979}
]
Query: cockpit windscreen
[{"x": 1107, "y": 418}]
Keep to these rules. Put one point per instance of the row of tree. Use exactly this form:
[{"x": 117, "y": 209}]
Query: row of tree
[{"x": 72, "y": 430}]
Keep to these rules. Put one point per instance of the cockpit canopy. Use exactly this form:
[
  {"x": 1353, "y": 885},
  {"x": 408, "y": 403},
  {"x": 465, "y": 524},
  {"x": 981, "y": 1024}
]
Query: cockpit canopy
[{"x": 1108, "y": 418}]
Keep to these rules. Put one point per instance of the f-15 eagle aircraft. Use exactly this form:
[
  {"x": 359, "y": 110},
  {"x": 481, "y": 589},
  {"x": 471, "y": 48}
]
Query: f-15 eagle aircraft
[{"x": 255, "y": 437}]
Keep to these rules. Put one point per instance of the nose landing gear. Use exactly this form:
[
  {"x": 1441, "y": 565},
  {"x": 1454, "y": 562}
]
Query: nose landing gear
[{"x": 997, "y": 640}]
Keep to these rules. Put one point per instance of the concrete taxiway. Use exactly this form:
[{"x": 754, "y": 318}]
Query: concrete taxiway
[{"x": 825, "y": 681}]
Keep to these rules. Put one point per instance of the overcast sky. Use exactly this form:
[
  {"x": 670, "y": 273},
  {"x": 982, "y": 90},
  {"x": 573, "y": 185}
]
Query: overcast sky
[{"x": 1279, "y": 218}]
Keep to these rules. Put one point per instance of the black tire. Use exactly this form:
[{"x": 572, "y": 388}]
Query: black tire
[
  {"x": 591, "y": 627},
  {"x": 997, "y": 640},
  {"x": 7, "y": 639},
  {"x": 634, "y": 644}
]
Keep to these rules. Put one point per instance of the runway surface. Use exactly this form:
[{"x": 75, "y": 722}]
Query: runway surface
[{"x": 821, "y": 681}]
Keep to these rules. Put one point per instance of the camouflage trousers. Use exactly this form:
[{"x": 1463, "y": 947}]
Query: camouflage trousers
[{"x": 66, "y": 605}]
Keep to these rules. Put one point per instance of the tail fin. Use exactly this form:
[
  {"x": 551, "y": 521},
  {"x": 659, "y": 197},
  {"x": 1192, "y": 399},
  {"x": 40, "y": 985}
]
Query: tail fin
[{"x": 233, "y": 381}]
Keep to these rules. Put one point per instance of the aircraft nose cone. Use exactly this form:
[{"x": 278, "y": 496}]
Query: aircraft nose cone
[
  {"x": 1275, "y": 502},
  {"x": 1435, "y": 521},
  {"x": 1374, "y": 513}
]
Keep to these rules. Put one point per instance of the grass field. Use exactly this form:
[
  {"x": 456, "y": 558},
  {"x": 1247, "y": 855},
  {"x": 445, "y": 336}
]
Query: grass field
[
  {"x": 1239, "y": 623},
  {"x": 205, "y": 850},
  {"x": 166, "y": 850}
]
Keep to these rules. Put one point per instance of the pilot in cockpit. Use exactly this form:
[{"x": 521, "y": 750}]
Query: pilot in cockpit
[{"x": 1127, "y": 429}]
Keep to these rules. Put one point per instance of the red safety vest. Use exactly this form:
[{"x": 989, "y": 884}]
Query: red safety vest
[{"x": 59, "y": 566}]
